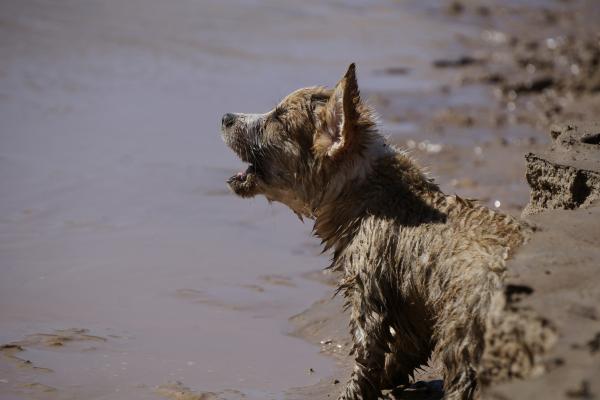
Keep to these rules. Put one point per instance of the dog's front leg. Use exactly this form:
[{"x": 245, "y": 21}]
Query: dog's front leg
[{"x": 370, "y": 345}]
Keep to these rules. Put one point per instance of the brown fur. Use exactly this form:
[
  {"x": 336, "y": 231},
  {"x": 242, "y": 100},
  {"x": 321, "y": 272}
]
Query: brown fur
[{"x": 420, "y": 269}]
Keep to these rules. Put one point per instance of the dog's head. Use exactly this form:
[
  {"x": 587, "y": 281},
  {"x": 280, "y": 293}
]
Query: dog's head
[{"x": 313, "y": 140}]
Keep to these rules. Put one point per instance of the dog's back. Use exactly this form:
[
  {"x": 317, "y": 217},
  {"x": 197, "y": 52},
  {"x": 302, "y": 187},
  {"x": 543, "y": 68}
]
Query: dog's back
[{"x": 421, "y": 269}]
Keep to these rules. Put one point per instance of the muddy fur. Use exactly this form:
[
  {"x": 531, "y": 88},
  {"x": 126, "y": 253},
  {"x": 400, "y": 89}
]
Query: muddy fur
[{"x": 421, "y": 270}]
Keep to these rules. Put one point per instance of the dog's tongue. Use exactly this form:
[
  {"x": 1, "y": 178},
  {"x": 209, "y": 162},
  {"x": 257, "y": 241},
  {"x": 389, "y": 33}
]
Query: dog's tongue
[{"x": 241, "y": 176}]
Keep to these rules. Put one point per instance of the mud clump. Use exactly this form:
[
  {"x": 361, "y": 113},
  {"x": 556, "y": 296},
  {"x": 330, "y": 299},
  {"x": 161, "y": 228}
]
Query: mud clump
[
  {"x": 569, "y": 63},
  {"x": 567, "y": 176},
  {"x": 517, "y": 339},
  {"x": 543, "y": 62}
]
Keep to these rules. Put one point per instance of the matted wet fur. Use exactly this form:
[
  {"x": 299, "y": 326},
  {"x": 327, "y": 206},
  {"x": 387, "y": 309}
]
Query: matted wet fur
[{"x": 422, "y": 271}]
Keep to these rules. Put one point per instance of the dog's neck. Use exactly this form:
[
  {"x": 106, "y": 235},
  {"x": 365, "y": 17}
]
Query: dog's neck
[
  {"x": 388, "y": 185},
  {"x": 356, "y": 170}
]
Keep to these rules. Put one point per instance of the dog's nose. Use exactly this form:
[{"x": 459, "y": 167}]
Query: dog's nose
[{"x": 228, "y": 120}]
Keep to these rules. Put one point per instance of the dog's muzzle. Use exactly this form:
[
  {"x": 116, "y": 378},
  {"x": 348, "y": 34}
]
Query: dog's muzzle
[
  {"x": 235, "y": 131},
  {"x": 228, "y": 120}
]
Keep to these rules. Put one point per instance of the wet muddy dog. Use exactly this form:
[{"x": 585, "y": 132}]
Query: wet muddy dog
[{"x": 422, "y": 271}]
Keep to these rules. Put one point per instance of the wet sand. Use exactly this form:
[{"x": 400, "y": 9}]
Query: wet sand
[
  {"x": 115, "y": 218},
  {"x": 128, "y": 270}
]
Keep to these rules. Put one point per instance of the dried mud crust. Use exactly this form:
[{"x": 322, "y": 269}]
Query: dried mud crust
[{"x": 567, "y": 176}]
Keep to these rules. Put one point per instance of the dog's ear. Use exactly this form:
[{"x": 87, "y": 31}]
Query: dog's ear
[{"x": 337, "y": 120}]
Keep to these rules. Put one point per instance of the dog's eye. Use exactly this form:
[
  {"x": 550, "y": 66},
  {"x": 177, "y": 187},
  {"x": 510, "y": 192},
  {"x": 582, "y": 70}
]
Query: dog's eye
[{"x": 278, "y": 112}]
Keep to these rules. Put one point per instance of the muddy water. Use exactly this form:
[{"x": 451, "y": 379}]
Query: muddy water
[{"x": 114, "y": 215}]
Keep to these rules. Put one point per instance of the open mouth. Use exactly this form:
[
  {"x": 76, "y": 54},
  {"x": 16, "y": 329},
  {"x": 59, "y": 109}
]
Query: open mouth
[
  {"x": 244, "y": 183},
  {"x": 242, "y": 177}
]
